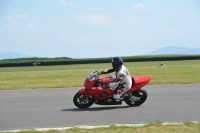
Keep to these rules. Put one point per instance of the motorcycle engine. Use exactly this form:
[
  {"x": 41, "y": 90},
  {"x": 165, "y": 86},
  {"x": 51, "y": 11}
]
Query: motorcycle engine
[{"x": 109, "y": 100}]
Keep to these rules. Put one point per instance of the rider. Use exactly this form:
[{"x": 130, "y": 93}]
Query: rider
[{"x": 123, "y": 79}]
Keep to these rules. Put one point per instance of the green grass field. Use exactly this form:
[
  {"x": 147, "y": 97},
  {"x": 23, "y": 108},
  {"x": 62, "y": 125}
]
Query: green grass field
[{"x": 175, "y": 72}]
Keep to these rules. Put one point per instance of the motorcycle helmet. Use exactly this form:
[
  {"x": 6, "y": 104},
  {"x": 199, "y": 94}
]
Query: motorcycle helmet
[{"x": 117, "y": 62}]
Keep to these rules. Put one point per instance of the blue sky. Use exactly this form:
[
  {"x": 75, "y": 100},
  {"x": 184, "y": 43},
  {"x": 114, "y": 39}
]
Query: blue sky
[{"x": 104, "y": 28}]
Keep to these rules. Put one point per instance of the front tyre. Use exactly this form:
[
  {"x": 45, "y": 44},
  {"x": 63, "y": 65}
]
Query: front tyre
[
  {"x": 141, "y": 95},
  {"x": 81, "y": 101}
]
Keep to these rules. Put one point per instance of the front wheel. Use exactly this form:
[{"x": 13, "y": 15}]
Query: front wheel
[
  {"x": 141, "y": 95},
  {"x": 81, "y": 101}
]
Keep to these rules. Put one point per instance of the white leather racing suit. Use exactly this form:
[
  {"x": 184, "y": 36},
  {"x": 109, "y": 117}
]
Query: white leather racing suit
[{"x": 123, "y": 80}]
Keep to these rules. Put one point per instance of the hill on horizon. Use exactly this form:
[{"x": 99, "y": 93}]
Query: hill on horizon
[
  {"x": 175, "y": 50},
  {"x": 13, "y": 55}
]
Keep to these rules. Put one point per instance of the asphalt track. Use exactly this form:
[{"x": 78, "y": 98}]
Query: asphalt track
[{"x": 48, "y": 108}]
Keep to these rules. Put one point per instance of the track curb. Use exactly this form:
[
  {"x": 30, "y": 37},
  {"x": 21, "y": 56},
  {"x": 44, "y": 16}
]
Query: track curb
[{"x": 92, "y": 127}]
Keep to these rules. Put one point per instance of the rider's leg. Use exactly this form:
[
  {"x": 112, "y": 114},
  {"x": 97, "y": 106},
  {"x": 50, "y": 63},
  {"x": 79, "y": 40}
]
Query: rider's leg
[{"x": 119, "y": 93}]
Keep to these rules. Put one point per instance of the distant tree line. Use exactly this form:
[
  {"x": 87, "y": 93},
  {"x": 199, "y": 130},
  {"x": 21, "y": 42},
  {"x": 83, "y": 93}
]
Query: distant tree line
[{"x": 106, "y": 60}]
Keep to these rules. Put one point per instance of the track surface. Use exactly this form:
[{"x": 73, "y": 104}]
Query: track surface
[{"x": 45, "y": 108}]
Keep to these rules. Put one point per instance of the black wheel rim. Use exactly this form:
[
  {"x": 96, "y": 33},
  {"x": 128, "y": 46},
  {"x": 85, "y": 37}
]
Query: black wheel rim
[
  {"x": 83, "y": 100},
  {"x": 139, "y": 94}
]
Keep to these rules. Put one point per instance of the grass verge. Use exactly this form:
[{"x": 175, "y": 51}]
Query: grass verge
[
  {"x": 175, "y": 72},
  {"x": 186, "y": 127}
]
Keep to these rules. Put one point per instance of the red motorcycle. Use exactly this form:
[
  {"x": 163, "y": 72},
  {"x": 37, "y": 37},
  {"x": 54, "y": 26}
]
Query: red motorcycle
[{"x": 93, "y": 92}]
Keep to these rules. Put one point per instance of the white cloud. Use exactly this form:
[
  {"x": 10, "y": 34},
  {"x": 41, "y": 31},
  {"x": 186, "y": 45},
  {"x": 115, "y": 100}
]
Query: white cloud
[
  {"x": 18, "y": 17},
  {"x": 101, "y": 19},
  {"x": 13, "y": 20},
  {"x": 64, "y": 3},
  {"x": 174, "y": 29},
  {"x": 139, "y": 7},
  {"x": 96, "y": 19},
  {"x": 129, "y": 20},
  {"x": 19, "y": 23},
  {"x": 30, "y": 27},
  {"x": 124, "y": 5}
]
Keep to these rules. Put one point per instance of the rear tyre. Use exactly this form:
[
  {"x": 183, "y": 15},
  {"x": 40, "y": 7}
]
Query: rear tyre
[
  {"x": 141, "y": 94},
  {"x": 81, "y": 101}
]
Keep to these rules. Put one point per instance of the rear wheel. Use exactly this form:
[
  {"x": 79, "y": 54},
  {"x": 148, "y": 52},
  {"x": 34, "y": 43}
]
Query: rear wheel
[
  {"x": 81, "y": 101},
  {"x": 141, "y": 95}
]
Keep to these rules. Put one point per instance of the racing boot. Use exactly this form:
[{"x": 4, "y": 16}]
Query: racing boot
[{"x": 117, "y": 97}]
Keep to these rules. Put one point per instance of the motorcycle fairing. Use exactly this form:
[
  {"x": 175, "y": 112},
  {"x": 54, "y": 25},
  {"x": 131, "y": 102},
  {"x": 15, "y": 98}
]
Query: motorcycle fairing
[
  {"x": 84, "y": 92},
  {"x": 108, "y": 79},
  {"x": 99, "y": 93},
  {"x": 139, "y": 82}
]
